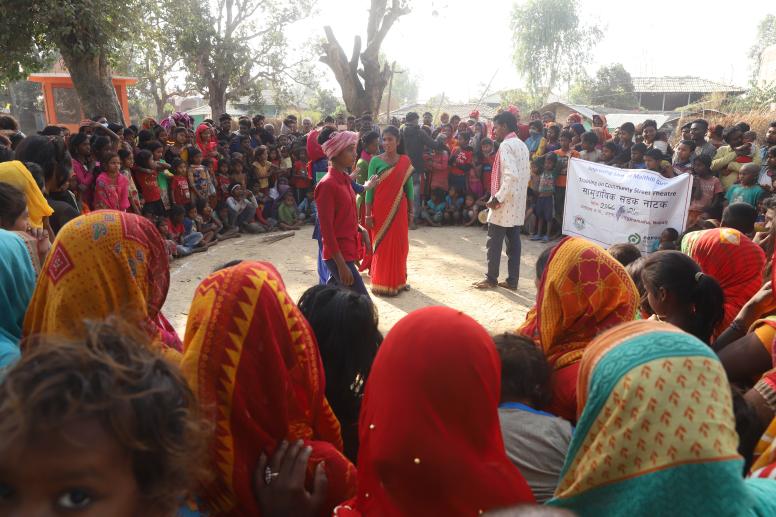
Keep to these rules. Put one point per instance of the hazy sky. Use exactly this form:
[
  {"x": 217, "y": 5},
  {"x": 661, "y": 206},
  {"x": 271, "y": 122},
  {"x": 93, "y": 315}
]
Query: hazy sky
[{"x": 456, "y": 46}]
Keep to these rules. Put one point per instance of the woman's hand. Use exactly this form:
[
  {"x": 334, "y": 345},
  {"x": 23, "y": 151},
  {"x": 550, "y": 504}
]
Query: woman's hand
[
  {"x": 369, "y": 222},
  {"x": 758, "y": 305},
  {"x": 279, "y": 483},
  {"x": 372, "y": 182}
]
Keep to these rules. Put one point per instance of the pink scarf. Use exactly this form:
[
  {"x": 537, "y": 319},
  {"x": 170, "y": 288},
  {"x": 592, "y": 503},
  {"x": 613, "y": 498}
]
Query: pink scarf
[{"x": 495, "y": 178}]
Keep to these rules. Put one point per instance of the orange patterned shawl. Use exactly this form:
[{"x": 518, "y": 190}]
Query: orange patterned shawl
[
  {"x": 252, "y": 361},
  {"x": 583, "y": 292},
  {"x": 102, "y": 264}
]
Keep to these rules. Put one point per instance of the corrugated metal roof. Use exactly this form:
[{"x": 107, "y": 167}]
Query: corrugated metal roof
[
  {"x": 583, "y": 110},
  {"x": 680, "y": 85},
  {"x": 462, "y": 110}
]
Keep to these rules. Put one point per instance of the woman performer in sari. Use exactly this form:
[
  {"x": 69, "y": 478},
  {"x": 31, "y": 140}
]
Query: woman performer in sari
[
  {"x": 387, "y": 216},
  {"x": 656, "y": 432},
  {"x": 102, "y": 264},
  {"x": 733, "y": 260},
  {"x": 252, "y": 362},
  {"x": 430, "y": 437},
  {"x": 582, "y": 292}
]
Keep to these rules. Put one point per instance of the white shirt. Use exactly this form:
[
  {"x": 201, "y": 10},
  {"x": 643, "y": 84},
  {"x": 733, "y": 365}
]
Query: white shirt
[{"x": 515, "y": 174}]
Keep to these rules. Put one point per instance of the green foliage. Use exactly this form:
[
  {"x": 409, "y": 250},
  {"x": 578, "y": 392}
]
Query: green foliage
[
  {"x": 766, "y": 36},
  {"x": 325, "y": 102},
  {"x": 519, "y": 98},
  {"x": 612, "y": 86},
  {"x": 551, "y": 46},
  {"x": 758, "y": 97}
]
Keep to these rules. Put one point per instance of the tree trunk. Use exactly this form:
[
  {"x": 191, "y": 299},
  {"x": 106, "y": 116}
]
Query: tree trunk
[
  {"x": 217, "y": 94},
  {"x": 92, "y": 82}
]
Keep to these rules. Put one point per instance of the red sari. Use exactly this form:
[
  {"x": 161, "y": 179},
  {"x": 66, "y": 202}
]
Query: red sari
[{"x": 390, "y": 239}]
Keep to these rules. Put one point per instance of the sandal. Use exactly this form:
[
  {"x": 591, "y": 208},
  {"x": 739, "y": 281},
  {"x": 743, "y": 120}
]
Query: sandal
[{"x": 484, "y": 284}]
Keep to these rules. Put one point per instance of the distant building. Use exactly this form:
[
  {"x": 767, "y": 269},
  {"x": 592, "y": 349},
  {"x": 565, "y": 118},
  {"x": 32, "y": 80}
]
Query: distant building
[
  {"x": 669, "y": 93},
  {"x": 487, "y": 111}
]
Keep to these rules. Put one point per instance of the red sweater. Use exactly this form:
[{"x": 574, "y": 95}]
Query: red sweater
[{"x": 337, "y": 217}]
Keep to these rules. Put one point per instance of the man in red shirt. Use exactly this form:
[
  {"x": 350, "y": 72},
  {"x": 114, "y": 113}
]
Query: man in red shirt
[{"x": 337, "y": 216}]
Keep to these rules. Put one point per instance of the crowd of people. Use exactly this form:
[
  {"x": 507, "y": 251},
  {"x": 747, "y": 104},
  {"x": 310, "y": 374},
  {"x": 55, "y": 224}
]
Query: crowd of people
[{"x": 637, "y": 385}]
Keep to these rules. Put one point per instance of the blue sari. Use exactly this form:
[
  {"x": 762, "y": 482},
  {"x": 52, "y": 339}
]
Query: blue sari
[{"x": 17, "y": 282}]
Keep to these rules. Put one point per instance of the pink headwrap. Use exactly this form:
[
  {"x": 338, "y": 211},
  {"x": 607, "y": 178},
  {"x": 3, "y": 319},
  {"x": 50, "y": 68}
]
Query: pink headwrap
[
  {"x": 338, "y": 141},
  {"x": 514, "y": 110}
]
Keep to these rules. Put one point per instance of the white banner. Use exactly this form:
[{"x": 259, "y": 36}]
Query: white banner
[{"x": 608, "y": 205}]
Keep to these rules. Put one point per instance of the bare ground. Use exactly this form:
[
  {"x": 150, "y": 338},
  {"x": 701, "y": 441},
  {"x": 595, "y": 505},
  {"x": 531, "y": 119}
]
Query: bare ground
[{"x": 443, "y": 264}]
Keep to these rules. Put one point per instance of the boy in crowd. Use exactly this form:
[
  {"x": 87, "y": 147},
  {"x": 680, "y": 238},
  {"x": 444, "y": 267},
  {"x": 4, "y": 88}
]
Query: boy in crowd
[
  {"x": 561, "y": 171},
  {"x": 683, "y": 157},
  {"x": 589, "y": 151},
  {"x": 625, "y": 143},
  {"x": 637, "y": 157},
  {"x": 748, "y": 191}
]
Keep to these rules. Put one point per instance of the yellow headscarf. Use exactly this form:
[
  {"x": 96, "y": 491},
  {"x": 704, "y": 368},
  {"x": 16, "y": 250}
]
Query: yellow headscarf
[{"x": 16, "y": 174}]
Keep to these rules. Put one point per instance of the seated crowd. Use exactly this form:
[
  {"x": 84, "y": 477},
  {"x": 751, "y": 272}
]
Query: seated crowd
[{"x": 635, "y": 386}]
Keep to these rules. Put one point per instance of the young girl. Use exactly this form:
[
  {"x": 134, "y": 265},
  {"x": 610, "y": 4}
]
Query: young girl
[
  {"x": 261, "y": 169},
  {"x": 683, "y": 157},
  {"x": 111, "y": 191},
  {"x": 535, "y": 142},
  {"x": 181, "y": 194},
  {"x": 300, "y": 179},
  {"x": 237, "y": 174},
  {"x": 146, "y": 173},
  {"x": 273, "y": 156},
  {"x": 544, "y": 208},
  {"x": 679, "y": 293},
  {"x": 127, "y": 163},
  {"x": 609, "y": 153},
  {"x": 164, "y": 176},
  {"x": 83, "y": 167},
  {"x": 553, "y": 139},
  {"x": 461, "y": 162},
  {"x": 470, "y": 210},
  {"x": 198, "y": 176},
  {"x": 222, "y": 182},
  {"x": 287, "y": 213},
  {"x": 98, "y": 425},
  {"x": 707, "y": 191}
]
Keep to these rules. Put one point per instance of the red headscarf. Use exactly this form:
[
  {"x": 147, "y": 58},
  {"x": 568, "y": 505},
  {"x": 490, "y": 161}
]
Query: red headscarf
[
  {"x": 429, "y": 429},
  {"x": 734, "y": 261},
  {"x": 252, "y": 361},
  {"x": 210, "y": 146}
]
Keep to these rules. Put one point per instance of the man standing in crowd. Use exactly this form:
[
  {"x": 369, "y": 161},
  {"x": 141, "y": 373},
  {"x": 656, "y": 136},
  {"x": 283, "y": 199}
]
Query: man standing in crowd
[
  {"x": 415, "y": 141},
  {"x": 509, "y": 184},
  {"x": 224, "y": 133},
  {"x": 698, "y": 130},
  {"x": 770, "y": 141}
]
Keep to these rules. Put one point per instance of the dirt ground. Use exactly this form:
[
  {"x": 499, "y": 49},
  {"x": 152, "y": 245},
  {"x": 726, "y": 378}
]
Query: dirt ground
[{"x": 443, "y": 263}]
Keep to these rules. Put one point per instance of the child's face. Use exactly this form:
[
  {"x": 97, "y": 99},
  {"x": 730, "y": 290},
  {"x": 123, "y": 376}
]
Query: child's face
[
  {"x": 452, "y": 192},
  {"x": 177, "y": 218},
  {"x": 588, "y": 146},
  {"x": 637, "y": 156},
  {"x": 78, "y": 468},
  {"x": 469, "y": 202},
  {"x": 549, "y": 165},
  {"x": 114, "y": 165},
  {"x": 196, "y": 159},
  {"x": 261, "y": 156},
  {"x": 162, "y": 137},
  {"x": 683, "y": 152},
  {"x": 565, "y": 142},
  {"x": 181, "y": 137},
  {"x": 772, "y": 161},
  {"x": 462, "y": 139},
  {"x": 487, "y": 148},
  {"x": 182, "y": 169},
  {"x": 238, "y": 167},
  {"x": 192, "y": 213},
  {"x": 128, "y": 162},
  {"x": 698, "y": 167},
  {"x": 607, "y": 154},
  {"x": 373, "y": 146},
  {"x": 310, "y": 195},
  {"x": 289, "y": 201},
  {"x": 223, "y": 167},
  {"x": 303, "y": 155},
  {"x": 207, "y": 211},
  {"x": 747, "y": 178},
  {"x": 651, "y": 163},
  {"x": 158, "y": 154}
]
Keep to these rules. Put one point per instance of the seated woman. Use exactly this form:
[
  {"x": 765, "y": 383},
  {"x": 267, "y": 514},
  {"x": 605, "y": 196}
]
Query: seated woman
[
  {"x": 102, "y": 264},
  {"x": 678, "y": 292},
  {"x": 656, "y": 432},
  {"x": 430, "y": 437},
  {"x": 346, "y": 329},
  {"x": 582, "y": 291},
  {"x": 17, "y": 281},
  {"x": 733, "y": 260},
  {"x": 251, "y": 359}
]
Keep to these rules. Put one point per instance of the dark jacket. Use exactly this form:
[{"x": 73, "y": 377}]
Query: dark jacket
[{"x": 415, "y": 140}]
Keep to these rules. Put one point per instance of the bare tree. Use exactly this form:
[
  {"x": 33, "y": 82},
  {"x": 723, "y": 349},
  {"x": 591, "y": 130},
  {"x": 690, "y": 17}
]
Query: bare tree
[{"x": 362, "y": 88}]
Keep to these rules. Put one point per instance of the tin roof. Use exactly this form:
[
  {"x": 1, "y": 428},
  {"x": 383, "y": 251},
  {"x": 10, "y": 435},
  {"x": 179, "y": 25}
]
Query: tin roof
[{"x": 680, "y": 85}]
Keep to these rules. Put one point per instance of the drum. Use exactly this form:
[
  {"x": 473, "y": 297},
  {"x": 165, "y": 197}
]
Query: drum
[{"x": 483, "y": 216}]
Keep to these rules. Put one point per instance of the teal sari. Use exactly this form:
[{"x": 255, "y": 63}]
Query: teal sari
[
  {"x": 657, "y": 435},
  {"x": 17, "y": 282}
]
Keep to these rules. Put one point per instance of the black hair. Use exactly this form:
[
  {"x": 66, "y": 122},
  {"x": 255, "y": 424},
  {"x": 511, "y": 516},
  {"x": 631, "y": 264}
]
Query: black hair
[
  {"x": 536, "y": 124},
  {"x": 549, "y": 156},
  {"x": 640, "y": 147},
  {"x": 76, "y": 140},
  {"x": 655, "y": 154},
  {"x": 179, "y": 129},
  {"x": 634, "y": 269},
  {"x": 648, "y": 123},
  {"x": 740, "y": 216},
  {"x": 660, "y": 136},
  {"x": 193, "y": 150},
  {"x": 99, "y": 143},
  {"x": 628, "y": 127},
  {"x": 727, "y": 135},
  {"x": 686, "y": 126},
  {"x": 717, "y": 130},
  {"x": 48, "y": 152},
  {"x": 567, "y": 134},
  {"x": 153, "y": 145},
  {"x": 325, "y": 134},
  {"x": 611, "y": 146},
  {"x": 589, "y": 137},
  {"x": 508, "y": 119},
  {"x": 6, "y": 154},
  {"x": 224, "y": 116},
  {"x": 345, "y": 325},
  {"x": 554, "y": 128},
  {"x": 12, "y": 205},
  {"x": 624, "y": 253},
  {"x": 743, "y": 126},
  {"x": 772, "y": 150},
  {"x": 705, "y": 159},
  {"x": 700, "y": 293},
  {"x": 701, "y": 122},
  {"x": 177, "y": 210},
  {"x": 124, "y": 154},
  {"x": 392, "y": 130},
  {"x": 143, "y": 158},
  {"x": 525, "y": 372},
  {"x": 689, "y": 143},
  {"x": 544, "y": 258},
  {"x": 51, "y": 131},
  {"x": 144, "y": 136},
  {"x": 37, "y": 174},
  {"x": 175, "y": 162},
  {"x": 129, "y": 132},
  {"x": 673, "y": 233}
]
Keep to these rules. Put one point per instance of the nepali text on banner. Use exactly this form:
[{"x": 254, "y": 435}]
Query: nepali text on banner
[{"x": 609, "y": 205}]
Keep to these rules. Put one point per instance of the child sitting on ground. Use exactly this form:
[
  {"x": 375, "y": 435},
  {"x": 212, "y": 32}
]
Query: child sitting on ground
[
  {"x": 98, "y": 425},
  {"x": 242, "y": 210},
  {"x": 470, "y": 210},
  {"x": 544, "y": 205},
  {"x": 453, "y": 206},
  {"x": 535, "y": 441},
  {"x": 434, "y": 211},
  {"x": 683, "y": 157},
  {"x": 748, "y": 191},
  {"x": 307, "y": 210},
  {"x": 193, "y": 223},
  {"x": 188, "y": 241},
  {"x": 287, "y": 214}
]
